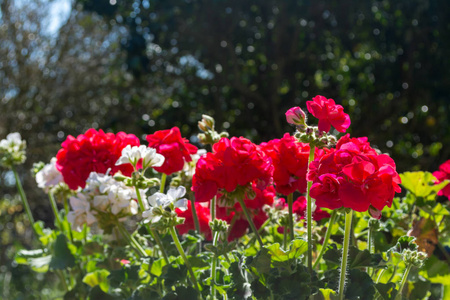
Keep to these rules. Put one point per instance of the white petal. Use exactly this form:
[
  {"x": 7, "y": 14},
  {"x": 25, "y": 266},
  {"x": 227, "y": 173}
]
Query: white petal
[
  {"x": 176, "y": 193},
  {"x": 181, "y": 204}
]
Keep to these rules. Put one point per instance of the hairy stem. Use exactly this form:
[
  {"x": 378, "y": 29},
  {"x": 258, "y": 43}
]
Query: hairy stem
[
  {"x": 213, "y": 267},
  {"x": 309, "y": 211},
  {"x": 348, "y": 226}
]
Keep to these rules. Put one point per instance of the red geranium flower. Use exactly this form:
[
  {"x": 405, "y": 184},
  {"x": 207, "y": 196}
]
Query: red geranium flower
[
  {"x": 94, "y": 151},
  {"x": 290, "y": 161},
  {"x": 442, "y": 174},
  {"x": 328, "y": 114},
  {"x": 234, "y": 162},
  {"x": 354, "y": 176},
  {"x": 204, "y": 216},
  {"x": 175, "y": 149}
]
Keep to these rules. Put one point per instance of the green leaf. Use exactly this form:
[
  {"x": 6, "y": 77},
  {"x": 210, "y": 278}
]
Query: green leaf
[
  {"x": 420, "y": 289},
  {"x": 296, "y": 249},
  {"x": 97, "y": 293},
  {"x": 387, "y": 291},
  {"x": 157, "y": 267},
  {"x": 261, "y": 262},
  {"x": 98, "y": 277},
  {"x": 328, "y": 294},
  {"x": 421, "y": 184},
  {"x": 403, "y": 243},
  {"x": 357, "y": 258},
  {"x": 62, "y": 258},
  {"x": 360, "y": 285}
]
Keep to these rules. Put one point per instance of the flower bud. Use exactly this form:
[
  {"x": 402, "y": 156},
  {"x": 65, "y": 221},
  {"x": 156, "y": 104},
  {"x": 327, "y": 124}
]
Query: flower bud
[
  {"x": 206, "y": 124},
  {"x": 296, "y": 116}
]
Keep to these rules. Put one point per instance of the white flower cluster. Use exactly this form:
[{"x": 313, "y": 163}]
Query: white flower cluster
[
  {"x": 49, "y": 176},
  {"x": 132, "y": 155},
  {"x": 12, "y": 150},
  {"x": 159, "y": 201},
  {"x": 102, "y": 195}
]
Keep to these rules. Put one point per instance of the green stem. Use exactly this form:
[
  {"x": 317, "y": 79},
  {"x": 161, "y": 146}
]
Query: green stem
[
  {"x": 285, "y": 238},
  {"x": 174, "y": 235},
  {"x": 402, "y": 283},
  {"x": 55, "y": 210},
  {"x": 133, "y": 243},
  {"x": 213, "y": 267},
  {"x": 152, "y": 232},
  {"x": 290, "y": 199},
  {"x": 370, "y": 245},
  {"x": 309, "y": 211},
  {"x": 212, "y": 209},
  {"x": 24, "y": 199},
  {"x": 163, "y": 182},
  {"x": 195, "y": 216},
  {"x": 326, "y": 239},
  {"x": 348, "y": 226},
  {"x": 249, "y": 220}
]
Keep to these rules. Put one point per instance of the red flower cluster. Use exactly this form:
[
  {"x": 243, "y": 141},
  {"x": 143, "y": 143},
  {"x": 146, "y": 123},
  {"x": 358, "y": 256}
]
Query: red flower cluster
[
  {"x": 94, "y": 151},
  {"x": 354, "y": 176},
  {"x": 328, "y": 114},
  {"x": 204, "y": 216},
  {"x": 442, "y": 174},
  {"x": 175, "y": 149},
  {"x": 234, "y": 162},
  {"x": 290, "y": 161},
  {"x": 255, "y": 206}
]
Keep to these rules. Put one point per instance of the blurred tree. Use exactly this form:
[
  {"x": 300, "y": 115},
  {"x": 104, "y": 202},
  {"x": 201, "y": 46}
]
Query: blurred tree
[{"x": 247, "y": 61}]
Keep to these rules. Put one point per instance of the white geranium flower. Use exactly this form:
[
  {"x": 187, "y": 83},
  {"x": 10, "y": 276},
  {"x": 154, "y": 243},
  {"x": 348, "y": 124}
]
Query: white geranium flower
[
  {"x": 13, "y": 139},
  {"x": 12, "y": 150},
  {"x": 132, "y": 155},
  {"x": 161, "y": 201},
  {"x": 48, "y": 176},
  {"x": 81, "y": 212}
]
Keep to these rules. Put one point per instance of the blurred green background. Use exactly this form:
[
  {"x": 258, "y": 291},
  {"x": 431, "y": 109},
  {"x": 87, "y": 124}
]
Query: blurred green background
[{"x": 141, "y": 66}]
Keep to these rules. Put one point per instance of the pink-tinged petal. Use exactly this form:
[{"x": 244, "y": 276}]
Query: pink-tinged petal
[{"x": 375, "y": 213}]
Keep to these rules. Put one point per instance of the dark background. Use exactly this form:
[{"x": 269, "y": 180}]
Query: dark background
[{"x": 141, "y": 66}]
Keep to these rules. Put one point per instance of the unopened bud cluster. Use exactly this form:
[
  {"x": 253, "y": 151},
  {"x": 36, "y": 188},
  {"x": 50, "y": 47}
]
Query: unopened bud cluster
[
  {"x": 312, "y": 135},
  {"x": 137, "y": 180},
  {"x": 12, "y": 150},
  {"x": 414, "y": 257},
  {"x": 209, "y": 135},
  {"x": 219, "y": 226}
]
